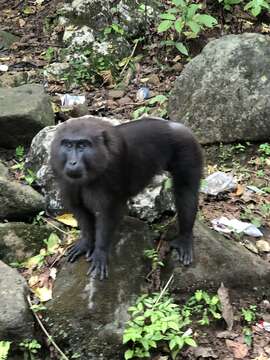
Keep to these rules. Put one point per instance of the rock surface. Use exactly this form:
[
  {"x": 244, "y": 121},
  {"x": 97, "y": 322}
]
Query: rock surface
[
  {"x": 16, "y": 321},
  {"x": 223, "y": 93},
  {"x": 218, "y": 259},
  {"x": 99, "y": 308},
  {"x": 19, "y": 241},
  {"x": 18, "y": 201},
  {"x": 25, "y": 110},
  {"x": 83, "y": 305}
]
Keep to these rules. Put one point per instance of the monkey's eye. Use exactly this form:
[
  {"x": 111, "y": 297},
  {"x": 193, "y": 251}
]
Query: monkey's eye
[
  {"x": 67, "y": 144},
  {"x": 84, "y": 144}
]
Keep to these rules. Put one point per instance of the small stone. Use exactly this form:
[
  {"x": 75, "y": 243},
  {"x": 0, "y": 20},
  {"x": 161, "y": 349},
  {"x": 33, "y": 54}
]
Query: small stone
[
  {"x": 178, "y": 67},
  {"x": 124, "y": 100},
  {"x": 153, "y": 79},
  {"x": 116, "y": 94},
  {"x": 251, "y": 247},
  {"x": 263, "y": 246}
]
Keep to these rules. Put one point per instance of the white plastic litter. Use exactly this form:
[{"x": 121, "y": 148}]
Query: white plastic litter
[
  {"x": 218, "y": 182},
  {"x": 225, "y": 225},
  {"x": 3, "y": 68},
  {"x": 255, "y": 189},
  {"x": 70, "y": 100}
]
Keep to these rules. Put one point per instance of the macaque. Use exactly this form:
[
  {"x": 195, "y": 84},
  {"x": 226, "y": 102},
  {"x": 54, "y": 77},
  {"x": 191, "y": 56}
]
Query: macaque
[{"x": 99, "y": 166}]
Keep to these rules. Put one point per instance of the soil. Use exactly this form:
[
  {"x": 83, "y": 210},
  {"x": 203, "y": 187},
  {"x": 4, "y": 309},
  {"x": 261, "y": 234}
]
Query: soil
[{"x": 250, "y": 165}]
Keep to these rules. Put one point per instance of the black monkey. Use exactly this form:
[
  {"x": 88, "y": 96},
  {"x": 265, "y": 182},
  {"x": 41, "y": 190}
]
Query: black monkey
[{"x": 99, "y": 167}]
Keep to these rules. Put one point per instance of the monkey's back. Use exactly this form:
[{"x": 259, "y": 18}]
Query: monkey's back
[{"x": 153, "y": 145}]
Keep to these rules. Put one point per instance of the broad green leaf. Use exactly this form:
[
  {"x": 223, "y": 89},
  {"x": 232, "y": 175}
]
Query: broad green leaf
[
  {"x": 192, "y": 8},
  {"x": 181, "y": 47},
  {"x": 179, "y": 25},
  {"x": 53, "y": 243},
  {"x": 191, "y": 342},
  {"x": 129, "y": 354},
  {"x": 180, "y": 3},
  {"x": 206, "y": 20},
  {"x": 164, "y": 25},
  {"x": 194, "y": 26},
  {"x": 167, "y": 16}
]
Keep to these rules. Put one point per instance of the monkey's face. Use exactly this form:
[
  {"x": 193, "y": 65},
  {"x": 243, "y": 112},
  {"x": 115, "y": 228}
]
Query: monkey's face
[{"x": 80, "y": 159}]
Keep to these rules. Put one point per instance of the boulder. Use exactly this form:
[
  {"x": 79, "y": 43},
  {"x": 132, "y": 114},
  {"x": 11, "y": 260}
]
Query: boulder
[
  {"x": 16, "y": 320},
  {"x": 7, "y": 39},
  {"x": 18, "y": 201},
  {"x": 223, "y": 93},
  {"x": 82, "y": 305},
  {"x": 25, "y": 110},
  {"x": 217, "y": 259},
  {"x": 19, "y": 241}
]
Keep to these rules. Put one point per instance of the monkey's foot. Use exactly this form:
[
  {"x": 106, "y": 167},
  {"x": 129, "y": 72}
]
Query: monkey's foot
[
  {"x": 99, "y": 267},
  {"x": 81, "y": 247},
  {"x": 184, "y": 250}
]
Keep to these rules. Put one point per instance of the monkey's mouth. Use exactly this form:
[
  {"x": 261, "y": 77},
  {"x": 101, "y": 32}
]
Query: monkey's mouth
[{"x": 73, "y": 174}]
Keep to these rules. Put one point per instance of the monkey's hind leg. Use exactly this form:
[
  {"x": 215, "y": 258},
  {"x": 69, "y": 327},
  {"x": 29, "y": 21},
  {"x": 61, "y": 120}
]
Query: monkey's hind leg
[{"x": 186, "y": 202}]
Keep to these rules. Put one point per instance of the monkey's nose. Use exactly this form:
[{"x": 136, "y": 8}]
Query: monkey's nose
[{"x": 72, "y": 162}]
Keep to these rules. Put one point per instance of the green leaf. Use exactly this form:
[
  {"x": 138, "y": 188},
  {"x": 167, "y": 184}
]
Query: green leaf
[
  {"x": 207, "y": 20},
  {"x": 180, "y": 3},
  {"x": 129, "y": 354},
  {"x": 167, "y": 16},
  {"x": 191, "y": 342},
  {"x": 172, "y": 344},
  {"x": 53, "y": 243},
  {"x": 194, "y": 26},
  {"x": 181, "y": 47},
  {"x": 192, "y": 8},
  {"x": 179, "y": 25},
  {"x": 164, "y": 25}
]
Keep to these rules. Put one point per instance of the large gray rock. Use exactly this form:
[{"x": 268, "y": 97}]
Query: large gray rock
[
  {"x": 99, "y": 309},
  {"x": 25, "y": 110},
  {"x": 7, "y": 39},
  {"x": 16, "y": 321},
  {"x": 218, "y": 259},
  {"x": 19, "y": 241},
  {"x": 223, "y": 93},
  {"x": 92, "y": 313},
  {"x": 18, "y": 201}
]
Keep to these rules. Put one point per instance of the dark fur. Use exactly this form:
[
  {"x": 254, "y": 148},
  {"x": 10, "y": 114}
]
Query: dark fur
[{"x": 96, "y": 181}]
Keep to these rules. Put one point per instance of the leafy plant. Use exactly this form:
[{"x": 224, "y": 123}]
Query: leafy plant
[
  {"x": 204, "y": 305},
  {"x": 183, "y": 20},
  {"x": 30, "y": 348},
  {"x": 4, "y": 349},
  {"x": 155, "y": 320},
  {"x": 25, "y": 174},
  {"x": 248, "y": 214},
  {"x": 49, "y": 54},
  {"x": 153, "y": 255},
  {"x": 249, "y": 316},
  {"x": 227, "y": 4},
  {"x": 264, "y": 149},
  {"x": 155, "y": 106},
  {"x": 255, "y": 7}
]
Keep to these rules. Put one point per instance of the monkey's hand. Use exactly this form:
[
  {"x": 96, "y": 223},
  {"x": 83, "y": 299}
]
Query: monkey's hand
[
  {"x": 184, "y": 250},
  {"x": 82, "y": 246},
  {"x": 99, "y": 267}
]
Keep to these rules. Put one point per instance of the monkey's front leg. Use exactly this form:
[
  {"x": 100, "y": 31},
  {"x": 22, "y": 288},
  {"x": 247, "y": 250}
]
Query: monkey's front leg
[
  {"x": 106, "y": 224},
  {"x": 85, "y": 244}
]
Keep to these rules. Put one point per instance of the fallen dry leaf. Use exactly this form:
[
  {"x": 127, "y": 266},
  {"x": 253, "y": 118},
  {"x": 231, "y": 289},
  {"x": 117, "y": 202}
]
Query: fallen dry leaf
[
  {"x": 67, "y": 219},
  {"x": 226, "y": 307},
  {"x": 238, "y": 349}
]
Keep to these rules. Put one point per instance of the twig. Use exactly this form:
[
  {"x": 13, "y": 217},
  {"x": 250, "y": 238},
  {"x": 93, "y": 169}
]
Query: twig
[
  {"x": 164, "y": 289},
  {"x": 46, "y": 332},
  {"x": 129, "y": 58},
  {"x": 50, "y": 223}
]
